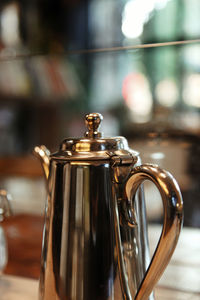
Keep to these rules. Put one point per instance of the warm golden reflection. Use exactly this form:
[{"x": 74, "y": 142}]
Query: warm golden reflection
[{"x": 83, "y": 147}]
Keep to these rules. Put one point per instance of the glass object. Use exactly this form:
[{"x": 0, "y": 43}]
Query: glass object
[
  {"x": 3, "y": 250},
  {"x": 5, "y": 208},
  {"x": 5, "y": 211}
]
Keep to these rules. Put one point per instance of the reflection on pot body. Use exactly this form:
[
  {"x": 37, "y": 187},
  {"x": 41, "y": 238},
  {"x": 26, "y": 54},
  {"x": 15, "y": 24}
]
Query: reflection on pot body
[{"x": 81, "y": 247}]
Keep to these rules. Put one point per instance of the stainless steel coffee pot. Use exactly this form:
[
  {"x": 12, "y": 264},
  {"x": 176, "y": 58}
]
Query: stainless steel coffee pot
[{"x": 95, "y": 244}]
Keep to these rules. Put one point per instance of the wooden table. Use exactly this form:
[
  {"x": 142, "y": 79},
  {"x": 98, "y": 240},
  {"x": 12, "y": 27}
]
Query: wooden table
[{"x": 181, "y": 280}]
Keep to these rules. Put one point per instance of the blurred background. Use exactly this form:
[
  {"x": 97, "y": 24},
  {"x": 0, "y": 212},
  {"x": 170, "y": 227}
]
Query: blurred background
[{"x": 60, "y": 59}]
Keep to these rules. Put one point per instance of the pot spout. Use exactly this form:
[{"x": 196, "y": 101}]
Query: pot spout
[{"x": 44, "y": 156}]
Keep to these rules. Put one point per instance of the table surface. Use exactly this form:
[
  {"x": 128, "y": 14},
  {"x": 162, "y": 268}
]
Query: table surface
[{"x": 181, "y": 279}]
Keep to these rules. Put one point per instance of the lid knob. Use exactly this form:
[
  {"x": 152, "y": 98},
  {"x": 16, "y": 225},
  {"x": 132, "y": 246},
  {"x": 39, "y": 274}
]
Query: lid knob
[{"x": 93, "y": 122}]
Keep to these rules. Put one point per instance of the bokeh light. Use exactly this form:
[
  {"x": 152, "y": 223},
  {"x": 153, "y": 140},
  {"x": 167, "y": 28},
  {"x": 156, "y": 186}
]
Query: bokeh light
[
  {"x": 191, "y": 91},
  {"x": 137, "y": 95},
  {"x": 166, "y": 92}
]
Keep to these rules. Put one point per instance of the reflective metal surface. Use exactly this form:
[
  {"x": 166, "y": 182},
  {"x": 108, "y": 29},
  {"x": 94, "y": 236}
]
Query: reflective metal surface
[
  {"x": 173, "y": 217},
  {"x": 93, "y": 146},
  {"x": 93, "y": 122},
  {"x": 43, "y": 154},
  {"x": 79, "y": 257},
  {"x": 95, "y": 237}
]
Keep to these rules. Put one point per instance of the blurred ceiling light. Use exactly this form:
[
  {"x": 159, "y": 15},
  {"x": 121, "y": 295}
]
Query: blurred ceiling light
[
  {"x": 10, "y": 25},
  {"x": 167, "y": 92},
  {"x": 191, "y": 92},
  {"x": 158, "y": 155},
  {"x": 191, "y": 55},
  {"x": 191, "y": 24},
  {"x": 136, "y": 13},
  {"x": 137, "y": 95}
]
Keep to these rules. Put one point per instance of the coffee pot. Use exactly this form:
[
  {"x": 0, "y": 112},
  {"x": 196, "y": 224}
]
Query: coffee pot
[{"x": 95, "y": 242}]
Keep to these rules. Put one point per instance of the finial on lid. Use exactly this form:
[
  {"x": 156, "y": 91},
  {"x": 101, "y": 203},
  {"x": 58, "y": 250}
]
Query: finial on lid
[{"x": 93, "y": 122}]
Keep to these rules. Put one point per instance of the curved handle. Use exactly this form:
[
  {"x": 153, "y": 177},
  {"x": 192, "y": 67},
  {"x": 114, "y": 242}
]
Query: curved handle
[{"x": 173, "y": 216}]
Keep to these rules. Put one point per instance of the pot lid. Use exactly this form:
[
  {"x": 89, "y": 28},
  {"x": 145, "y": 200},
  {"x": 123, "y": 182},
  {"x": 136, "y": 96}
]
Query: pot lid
[{"x": 93, "y": 146}]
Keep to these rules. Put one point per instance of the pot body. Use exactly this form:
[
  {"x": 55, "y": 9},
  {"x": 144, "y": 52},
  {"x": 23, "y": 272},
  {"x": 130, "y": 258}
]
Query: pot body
[{"x": 80, "y": 256}]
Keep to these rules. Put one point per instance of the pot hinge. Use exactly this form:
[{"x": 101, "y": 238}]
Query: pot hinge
[
  {"x": 121, "y": 166},
  {"x": 125, "y": 159}
]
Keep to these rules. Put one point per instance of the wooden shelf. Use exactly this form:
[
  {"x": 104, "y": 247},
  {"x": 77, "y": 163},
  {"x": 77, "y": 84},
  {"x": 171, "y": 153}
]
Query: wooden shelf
[{"x": 28, "y": 166}]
